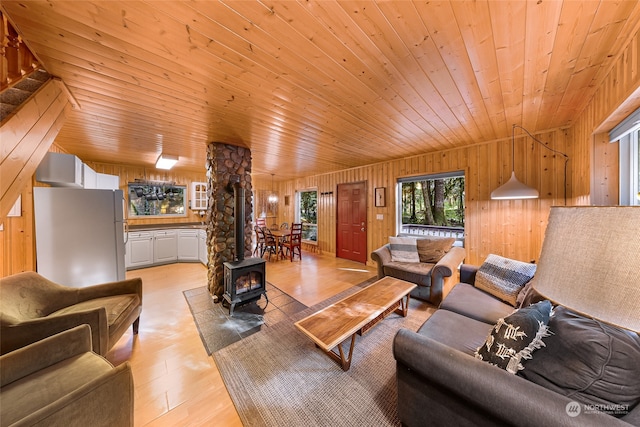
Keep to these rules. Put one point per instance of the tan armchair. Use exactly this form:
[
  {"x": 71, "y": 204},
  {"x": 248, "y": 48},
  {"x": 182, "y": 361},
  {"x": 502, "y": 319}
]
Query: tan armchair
[
  {"x": 59, "y": 381},
  {"x": 33, "y": 308}
]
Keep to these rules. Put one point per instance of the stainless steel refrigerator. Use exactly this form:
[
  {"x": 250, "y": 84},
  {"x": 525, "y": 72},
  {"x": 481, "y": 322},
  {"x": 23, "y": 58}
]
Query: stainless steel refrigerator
[{"x": 79, "y": 235}]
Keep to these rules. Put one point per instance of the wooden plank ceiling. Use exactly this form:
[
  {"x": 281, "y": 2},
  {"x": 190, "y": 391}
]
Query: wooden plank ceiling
[{"x": 317, "y": 86}]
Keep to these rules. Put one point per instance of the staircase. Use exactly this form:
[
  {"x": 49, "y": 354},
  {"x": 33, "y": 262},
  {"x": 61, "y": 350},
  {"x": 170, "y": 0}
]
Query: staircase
[{"x": 12, "y": 97}]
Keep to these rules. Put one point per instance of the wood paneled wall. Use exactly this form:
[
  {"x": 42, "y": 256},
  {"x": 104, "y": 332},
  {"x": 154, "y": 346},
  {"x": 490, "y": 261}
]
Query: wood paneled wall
[
  {"x": 510, "y": 228},
  {"x": 595, "y": 160},
  {"x": 26, "y": 137}
]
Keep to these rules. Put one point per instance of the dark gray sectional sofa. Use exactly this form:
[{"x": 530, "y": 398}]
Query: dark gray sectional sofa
[{"x": 440, "y": 382}]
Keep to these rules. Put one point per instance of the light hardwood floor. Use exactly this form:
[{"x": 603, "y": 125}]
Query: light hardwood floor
[{"x": 176, "y": 383}]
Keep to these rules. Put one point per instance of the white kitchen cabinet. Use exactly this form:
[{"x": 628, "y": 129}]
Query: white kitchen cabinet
[
  {"x": 139, "y": 249},
  {"x": 202, "y": 247},
  {"x": 199, "y": 198},
  {"x": 107, "y": 182},
  {"x": 165, "y": 248},
  {"x": 89, "y": 177},
  {"x": 60, "y": 170},
  {"x": 188, "y": 245}
]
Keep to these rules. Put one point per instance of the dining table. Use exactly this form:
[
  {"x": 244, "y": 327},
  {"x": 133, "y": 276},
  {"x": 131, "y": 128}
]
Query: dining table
[{"x": 280, "y": 236}]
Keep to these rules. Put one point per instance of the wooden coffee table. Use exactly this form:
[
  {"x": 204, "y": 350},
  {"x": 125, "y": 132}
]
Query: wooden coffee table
[{"x": 334, "y": 325}]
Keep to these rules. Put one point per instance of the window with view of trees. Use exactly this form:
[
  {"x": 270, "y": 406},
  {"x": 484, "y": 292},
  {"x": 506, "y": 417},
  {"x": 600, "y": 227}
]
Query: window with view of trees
[
  {"x": 307, "y": 214},
  {"x": 431, "y": 202}
]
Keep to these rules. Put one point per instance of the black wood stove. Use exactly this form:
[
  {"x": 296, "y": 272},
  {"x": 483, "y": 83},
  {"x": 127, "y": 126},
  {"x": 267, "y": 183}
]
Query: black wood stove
[{"x": 244, "y": 279}]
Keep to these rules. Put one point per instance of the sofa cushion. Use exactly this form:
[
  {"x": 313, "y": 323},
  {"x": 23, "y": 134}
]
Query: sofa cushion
[
  {"x": 455, "y": 330},
  {"x": 470, "y": 301},
  {"x": 504, "y": 277},
  {"x": 432, "y": 249},
  {"x": 414, "y": 272},
  {"x": 516, "y": 337},
  {"x": 118, "y": 307},
  {"x": 403, "y": 249},
  {"x": 588, "y": 361}
]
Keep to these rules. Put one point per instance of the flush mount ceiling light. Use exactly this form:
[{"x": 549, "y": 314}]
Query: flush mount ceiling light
[
  {"x": 273, "y": 197},
  {"x": 166, "y": 161},
  {"x": 514, "y": 189}
]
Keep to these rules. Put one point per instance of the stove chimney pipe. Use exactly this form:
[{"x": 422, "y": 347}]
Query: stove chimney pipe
[{"x": 238, "y": 213}]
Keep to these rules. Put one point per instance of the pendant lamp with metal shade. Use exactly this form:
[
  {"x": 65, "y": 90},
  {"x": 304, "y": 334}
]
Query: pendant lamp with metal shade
[{"x": 514, "y": 189}]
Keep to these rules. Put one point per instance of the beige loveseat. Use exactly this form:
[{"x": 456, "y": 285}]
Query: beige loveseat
[
  {"x": 435, "y": 274},
  {"x": 33, "y": 308},
  {"x": 59, "y": 381}
]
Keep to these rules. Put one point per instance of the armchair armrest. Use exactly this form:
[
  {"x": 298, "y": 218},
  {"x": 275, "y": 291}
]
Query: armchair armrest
[
  {"x": 468, "y": 273},
  {"x": 46, "y": 352},
  {"x": 106, "y": 400},
  {"x": 459, "y": 389},
  {"x": 129, "y": 286},
  {"x": 443, "y": 269},
  {"x": 381, "y": 256},
  {"x": 27, "y": 332}
]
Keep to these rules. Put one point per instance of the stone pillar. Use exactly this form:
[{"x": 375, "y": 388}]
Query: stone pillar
[{"x": 226, "y": 164}]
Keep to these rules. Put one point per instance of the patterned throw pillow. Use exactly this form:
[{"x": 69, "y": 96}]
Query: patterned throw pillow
[
  {"x": 432, "y": 249},
  {"x": 403, "y": 249},
  {"x": 516, "y": 337},
  {"x": 504, "y": 277}
]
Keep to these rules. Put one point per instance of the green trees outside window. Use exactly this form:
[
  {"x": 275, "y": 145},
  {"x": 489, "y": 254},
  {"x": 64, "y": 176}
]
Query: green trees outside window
[
  {"x": 307, "y": 214},
  {"x": 433, "y": 201}
]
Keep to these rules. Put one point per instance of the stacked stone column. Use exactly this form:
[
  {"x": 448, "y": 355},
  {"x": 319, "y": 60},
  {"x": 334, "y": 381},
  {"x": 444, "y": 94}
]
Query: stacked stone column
[{"x": 226, "y": 164}]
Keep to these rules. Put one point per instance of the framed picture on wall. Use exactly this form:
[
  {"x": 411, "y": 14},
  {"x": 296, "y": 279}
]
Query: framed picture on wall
[{"x": 380, "y": 197}]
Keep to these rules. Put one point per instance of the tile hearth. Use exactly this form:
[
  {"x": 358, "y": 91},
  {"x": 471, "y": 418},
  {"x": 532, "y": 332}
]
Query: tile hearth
[{"x": 217, "y": 329}]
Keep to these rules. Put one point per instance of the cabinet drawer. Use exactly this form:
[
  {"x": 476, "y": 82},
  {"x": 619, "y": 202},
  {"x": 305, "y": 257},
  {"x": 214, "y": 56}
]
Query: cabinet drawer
[{"x": 140, "y": 235}]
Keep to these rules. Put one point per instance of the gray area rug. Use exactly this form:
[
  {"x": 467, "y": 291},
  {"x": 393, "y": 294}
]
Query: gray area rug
[
  {"x": 278, "y": 377},
  {"x": 217, "y": 329}
]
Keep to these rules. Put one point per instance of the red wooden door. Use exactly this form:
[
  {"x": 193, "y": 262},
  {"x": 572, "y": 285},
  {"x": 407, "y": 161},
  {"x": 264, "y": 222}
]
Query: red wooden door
[{"x": 351, "y": 239}]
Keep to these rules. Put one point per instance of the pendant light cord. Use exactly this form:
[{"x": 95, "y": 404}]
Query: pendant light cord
[{"x": 513, "y": 154}]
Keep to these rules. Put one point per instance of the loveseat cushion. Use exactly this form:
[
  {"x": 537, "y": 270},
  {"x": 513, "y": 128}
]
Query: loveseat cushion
[
  {"x": 414, "y": 272},
  {"x": 504, "y": 277},
  {"x": 118, "y": 307},
  {"x": 48, "y": 385},
  {"x": 470, "y": 301},
  {"x": 403, "y": 249},
  {"x": 432, "y": 249},
  {"x": 515, "y": 338},
  {"x": 588, "y": 361},
  {"x": 455, "y": 330}
]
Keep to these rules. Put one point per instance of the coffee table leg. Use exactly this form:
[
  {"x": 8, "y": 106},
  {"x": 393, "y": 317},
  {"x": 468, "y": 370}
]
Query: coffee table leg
[
  {"x": 344, "y": 362},
  {"x": 404, "y": 306}
]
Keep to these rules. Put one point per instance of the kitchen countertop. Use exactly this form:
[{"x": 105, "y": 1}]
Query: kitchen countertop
[{"x": 173, "y": 226}]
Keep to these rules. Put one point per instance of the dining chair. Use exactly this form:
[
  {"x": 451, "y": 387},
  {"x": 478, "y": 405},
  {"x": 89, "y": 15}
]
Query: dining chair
[
  {"x": 260, "y": 241},
  {"x": 270, "y": 243},
  {"x": 284, "y": 226},
  {"x": 294, "y": 241}
]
